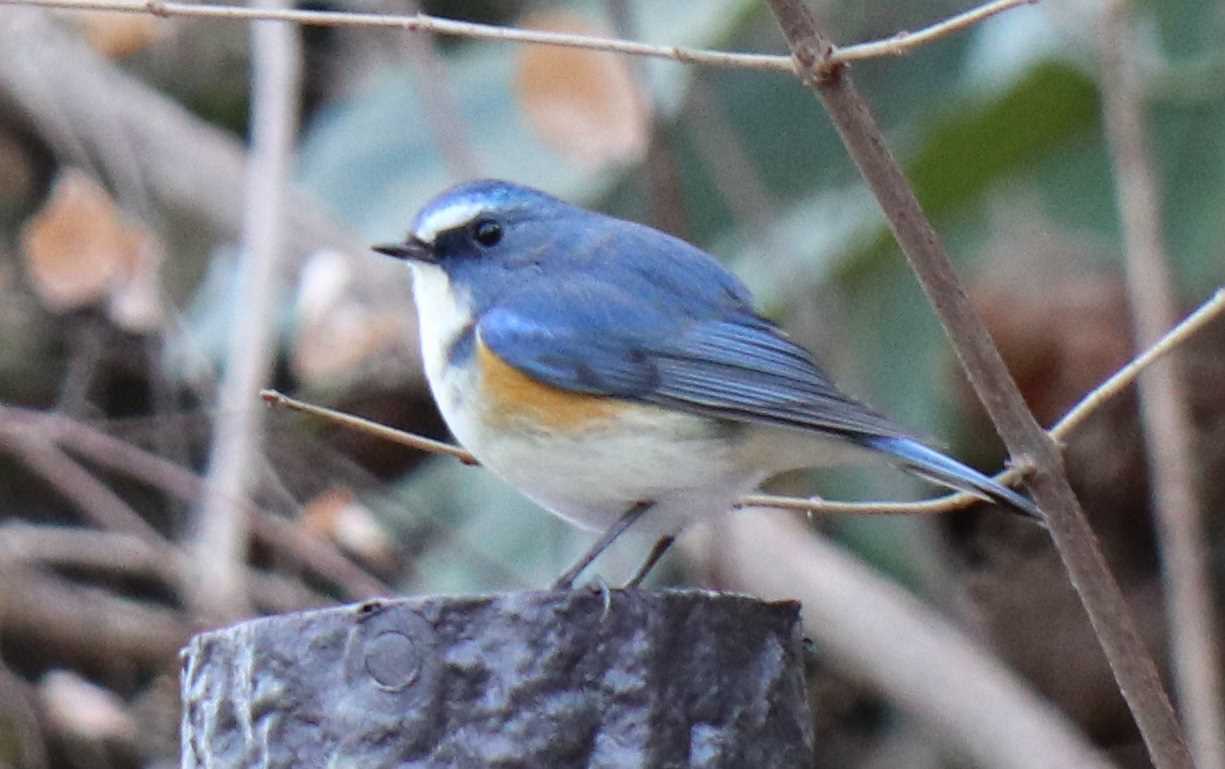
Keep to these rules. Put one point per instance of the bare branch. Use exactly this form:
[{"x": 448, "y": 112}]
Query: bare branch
[
  {"x": 101, "y": 506},
  {"x": 1130, "y": 661},
  {"x": 276, "y": 533},
  {"x": 1209, "y": 311},
  {"x": 900, "y": 44},
  {"x": 221, "y": 544},
  {"x": 90, "y": 625},
  {"x": 431, "y": 24},
  {"x": 57, "y": 546},
  {"x": 419, "y": 442},
  {"x": 1117, "y": 383},
  {"x": 26, "y": 741},
  {"x": 188, "y": 164},
  {"x": 1164, "y": 410},
  {"x": 129, "y": 555},
  {"x": 906, "y": 42}
]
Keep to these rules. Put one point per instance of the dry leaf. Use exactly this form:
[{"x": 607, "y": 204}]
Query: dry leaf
[
  {"x": 336, "y": 515},
  {"x": 117, "y": 35},
  {"x": 336, "y": 333},
  {"x": 585, "y": 104},
  {"x": 80, "y": 249},
  {"x": 82, "y": 709}
]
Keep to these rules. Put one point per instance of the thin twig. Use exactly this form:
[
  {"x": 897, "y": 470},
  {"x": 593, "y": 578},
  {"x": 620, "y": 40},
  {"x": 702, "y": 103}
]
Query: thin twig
[
  {"x": 187, "y": 163},
  {"x": 220, "y": 548},
  {"x": 279, "y": 535},
  {"x": 1076, "y": 416},
  {"x": 1164, "y": 410},
  {"x": 440, "y": 103},
  {"x": 80, "y": 548},
  {"x": 1209, "y": 311},
  {"x": 431, "y": 24},
  {"x": 129, "y": 555},
  {"x": 89, "y": 625},
  {"x": 101, "y": 506},
  {"x": 1130, "y": 661},
  {"x": 906, "y": 42},
  {"x": 278, "y": 399},
  {"x": 900, "y": 44}
]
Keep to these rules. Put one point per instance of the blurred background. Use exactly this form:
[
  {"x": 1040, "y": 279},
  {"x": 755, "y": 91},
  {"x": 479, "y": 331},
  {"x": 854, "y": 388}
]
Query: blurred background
[{"x": 122, "y": 183}]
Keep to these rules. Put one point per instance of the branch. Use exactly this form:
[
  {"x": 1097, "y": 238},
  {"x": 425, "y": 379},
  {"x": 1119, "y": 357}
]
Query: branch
[
  {"x": 187, "y": 163},
  {"x": 1207, "y": 312},
  {"x": 126, "y": 543},
  {"x": 94, "y": 499},
  {"x": 1076, "y": 416},
  {"x": 905, "y": 42},
  {"x": 80, "y": 548},
  {"x": 419, "y": 442},
  {"x": 91, "y": 626},
  {"x": 64, "y": 546},
  {"x": 900, "y": 44},
  {"x": 1164, "y": 408},
  {"x": 1078, "y": 547},
  {"x": 221, "y": 543},
  {"x": 276, "y": 533}
]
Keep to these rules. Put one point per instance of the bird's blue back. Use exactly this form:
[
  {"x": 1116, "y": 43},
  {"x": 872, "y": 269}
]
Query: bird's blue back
[{"x": 600, "y": 306}]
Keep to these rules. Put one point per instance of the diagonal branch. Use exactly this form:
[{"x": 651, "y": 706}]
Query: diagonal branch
[
  {"x": 278, "y": 534},
  {"x": 898, "y": 45},
  {"x": 1078, "y": 547}
]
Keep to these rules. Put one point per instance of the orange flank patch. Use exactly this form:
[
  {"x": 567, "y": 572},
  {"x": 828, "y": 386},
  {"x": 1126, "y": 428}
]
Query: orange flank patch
[{"x": 512, "y": 395}]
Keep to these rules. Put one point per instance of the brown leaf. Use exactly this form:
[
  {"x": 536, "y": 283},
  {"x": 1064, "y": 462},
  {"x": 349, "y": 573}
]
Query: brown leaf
[
  {"x": 584, "y": 104},
  {"x": 337, "y": 515},
  {"x": 80, "y": 249},
  {"x": 117, "y": 35},
  {"x": 82, "y": 709},
  {"x": 336, "y": 332}
]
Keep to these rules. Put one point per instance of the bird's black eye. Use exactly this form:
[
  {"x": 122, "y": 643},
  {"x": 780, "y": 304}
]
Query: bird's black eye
[{"x": 487, "y": 232}]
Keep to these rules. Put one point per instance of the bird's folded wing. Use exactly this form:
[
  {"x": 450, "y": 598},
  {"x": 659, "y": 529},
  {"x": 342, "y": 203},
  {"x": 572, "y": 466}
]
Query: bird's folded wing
[{"x": 717, "y": 362}]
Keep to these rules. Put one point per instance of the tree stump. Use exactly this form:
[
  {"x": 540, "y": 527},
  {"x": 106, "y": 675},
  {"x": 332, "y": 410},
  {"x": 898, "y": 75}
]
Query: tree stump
[{"x": 534, "y": 679}]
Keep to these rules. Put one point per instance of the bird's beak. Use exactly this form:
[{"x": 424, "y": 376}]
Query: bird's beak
[{"x": 411, "y": 249}]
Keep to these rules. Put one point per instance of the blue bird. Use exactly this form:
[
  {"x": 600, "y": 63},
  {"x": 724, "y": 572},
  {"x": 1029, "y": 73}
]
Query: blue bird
[{"x": 613, "y": 373}]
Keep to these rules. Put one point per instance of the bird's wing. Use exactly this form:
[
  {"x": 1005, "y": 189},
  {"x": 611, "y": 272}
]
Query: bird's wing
[{"x": 716, "y": 361}]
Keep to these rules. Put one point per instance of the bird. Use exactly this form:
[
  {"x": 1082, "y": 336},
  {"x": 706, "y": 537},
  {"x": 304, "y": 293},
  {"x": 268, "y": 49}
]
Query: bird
[{"x": 620, "y": 377}]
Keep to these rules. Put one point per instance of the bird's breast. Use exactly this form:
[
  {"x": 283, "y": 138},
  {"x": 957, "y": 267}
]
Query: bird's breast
[{"x": 514, "y": 400}]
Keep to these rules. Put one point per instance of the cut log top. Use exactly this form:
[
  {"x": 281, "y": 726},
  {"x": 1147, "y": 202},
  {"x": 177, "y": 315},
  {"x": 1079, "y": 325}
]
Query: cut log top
[{"x": 533, "y": 679}]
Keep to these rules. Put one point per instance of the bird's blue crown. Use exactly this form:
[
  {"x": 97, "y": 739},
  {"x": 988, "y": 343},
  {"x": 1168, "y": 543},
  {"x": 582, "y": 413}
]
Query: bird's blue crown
[{"x": 463, "y": 203}]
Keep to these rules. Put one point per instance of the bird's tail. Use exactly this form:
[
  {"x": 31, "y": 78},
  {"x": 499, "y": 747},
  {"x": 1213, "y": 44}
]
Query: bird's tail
[{"x": 946, "y": 471}]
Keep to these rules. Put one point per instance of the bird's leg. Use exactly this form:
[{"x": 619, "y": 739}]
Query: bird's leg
[
  {"x": 657, "y": 552},
  {"x": 566, "y": 580}
]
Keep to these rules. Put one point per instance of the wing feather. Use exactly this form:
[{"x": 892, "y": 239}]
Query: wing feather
[{"x": 724, "y": 362}]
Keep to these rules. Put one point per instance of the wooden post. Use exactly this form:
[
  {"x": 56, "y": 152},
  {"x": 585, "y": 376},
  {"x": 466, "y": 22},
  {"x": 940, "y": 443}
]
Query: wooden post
[{"x": 555, "y": 679}]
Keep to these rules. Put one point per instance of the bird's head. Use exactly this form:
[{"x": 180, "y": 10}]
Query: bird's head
[{"x": 483, "y": 234}]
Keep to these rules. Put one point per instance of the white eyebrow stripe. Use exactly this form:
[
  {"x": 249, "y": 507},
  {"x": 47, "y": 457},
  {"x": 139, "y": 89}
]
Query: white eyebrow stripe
[{"x": 446, "y": 218}]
